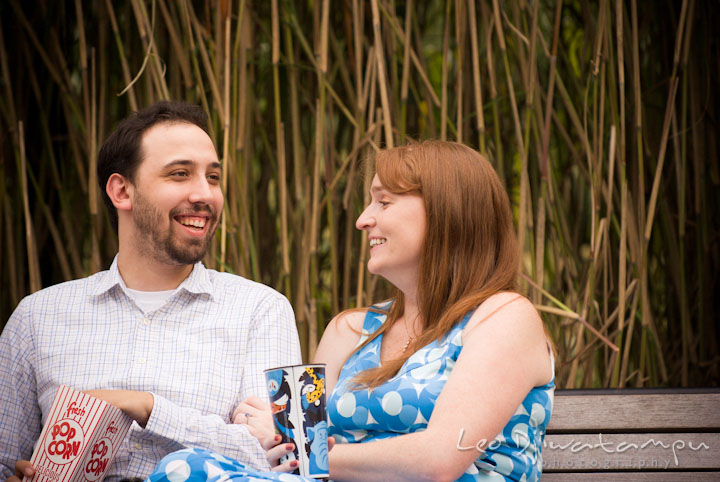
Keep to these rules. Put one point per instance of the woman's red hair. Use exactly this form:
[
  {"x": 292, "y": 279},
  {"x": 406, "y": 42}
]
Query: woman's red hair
[{"x": 470, "y": 251}]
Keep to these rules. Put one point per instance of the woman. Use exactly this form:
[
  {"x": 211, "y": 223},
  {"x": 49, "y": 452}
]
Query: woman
[{"x": 453, "y": 378}]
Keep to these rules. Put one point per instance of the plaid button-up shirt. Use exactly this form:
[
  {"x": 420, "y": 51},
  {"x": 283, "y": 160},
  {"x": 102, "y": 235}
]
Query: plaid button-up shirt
[{"x": 199, "y": 354}]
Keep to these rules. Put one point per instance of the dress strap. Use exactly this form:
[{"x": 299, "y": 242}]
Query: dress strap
[{"x": 373, "y": 321}]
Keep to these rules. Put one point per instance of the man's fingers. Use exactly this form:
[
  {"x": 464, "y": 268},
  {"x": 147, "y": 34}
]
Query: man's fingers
[
  {"x": 331, "y": 443},
  {"x": 23, "y": 468}
]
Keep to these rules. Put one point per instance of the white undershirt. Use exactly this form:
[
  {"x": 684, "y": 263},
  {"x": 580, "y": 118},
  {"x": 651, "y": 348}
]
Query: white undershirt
[{"x": 149, "y": 300}]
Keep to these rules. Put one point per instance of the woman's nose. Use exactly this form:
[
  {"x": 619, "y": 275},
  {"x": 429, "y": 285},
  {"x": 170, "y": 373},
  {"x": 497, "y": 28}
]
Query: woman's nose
[{"x": 366, "y": 220}]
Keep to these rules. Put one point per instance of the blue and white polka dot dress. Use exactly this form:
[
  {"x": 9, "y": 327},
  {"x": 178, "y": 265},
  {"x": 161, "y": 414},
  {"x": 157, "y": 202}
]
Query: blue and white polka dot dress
[
  {"x": 200, "y": 465},
  {"x": 404, "y": 405}
]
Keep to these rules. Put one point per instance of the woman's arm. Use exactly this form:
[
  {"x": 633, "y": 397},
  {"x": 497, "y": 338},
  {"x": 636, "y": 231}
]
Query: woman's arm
[{"x": 503, "y": 358}]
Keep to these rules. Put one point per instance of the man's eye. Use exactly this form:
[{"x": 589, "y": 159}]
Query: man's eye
[
  {"x": 179, "y": 174},
  {"x": 214, "y": 177}
]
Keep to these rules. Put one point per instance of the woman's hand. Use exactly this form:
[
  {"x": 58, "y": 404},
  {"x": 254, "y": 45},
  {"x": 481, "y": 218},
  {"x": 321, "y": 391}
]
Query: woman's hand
[
  {"x": 255, "y": 414},
  {"x": 277, "y": 451}
]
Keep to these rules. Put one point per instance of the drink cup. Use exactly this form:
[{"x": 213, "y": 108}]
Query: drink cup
[{"x": 297, "y": 399}]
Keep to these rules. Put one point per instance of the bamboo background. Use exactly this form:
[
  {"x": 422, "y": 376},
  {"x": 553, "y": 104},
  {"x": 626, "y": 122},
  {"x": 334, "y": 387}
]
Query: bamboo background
[{"x": 600, "y": 117}]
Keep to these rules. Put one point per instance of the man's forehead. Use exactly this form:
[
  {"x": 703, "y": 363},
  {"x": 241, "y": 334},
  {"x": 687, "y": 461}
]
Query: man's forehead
[
  {"x": 170, "y": 125},
  {"x": 178, "y": 145}
]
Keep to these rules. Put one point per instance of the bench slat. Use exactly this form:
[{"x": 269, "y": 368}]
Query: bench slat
[
  {"x": 678, "y": 412},
  {"x": 633, "y": 477},
  {"x": 631, "y": 451}
]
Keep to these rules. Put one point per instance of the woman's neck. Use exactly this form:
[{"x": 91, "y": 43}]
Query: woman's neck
[{"x": 411, "y": 314}]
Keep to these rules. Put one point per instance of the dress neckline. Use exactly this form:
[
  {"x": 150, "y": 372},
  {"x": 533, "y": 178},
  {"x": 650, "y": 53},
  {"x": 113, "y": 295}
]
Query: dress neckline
[{"x": 377, "y": 342}]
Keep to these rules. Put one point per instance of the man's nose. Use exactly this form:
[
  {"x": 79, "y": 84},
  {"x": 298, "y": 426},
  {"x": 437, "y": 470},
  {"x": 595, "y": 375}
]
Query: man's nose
[{"x": 201, "y": 191}]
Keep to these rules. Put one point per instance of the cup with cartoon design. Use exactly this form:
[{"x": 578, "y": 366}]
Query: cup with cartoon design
[{"x": 297, "y": 400}]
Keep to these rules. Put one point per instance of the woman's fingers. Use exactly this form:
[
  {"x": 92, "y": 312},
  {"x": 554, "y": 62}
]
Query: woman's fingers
[
  {"x": 256, "y": 402},
  {"x": 286, "y": 467},
  {"x": 252, "y": 407},
  {"x": 274, "y": 455},
  {"x": 241, "y": 417},
  {"x": 243, "y": 412},
  {"x": 267, "y": 442}
]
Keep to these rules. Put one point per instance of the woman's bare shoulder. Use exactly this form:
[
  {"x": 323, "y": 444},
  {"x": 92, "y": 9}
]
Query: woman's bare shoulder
[
  {"x": 340, "y": 337},
  {"x": 348, "y": 321},
  {"x": 507, "y": 307}
]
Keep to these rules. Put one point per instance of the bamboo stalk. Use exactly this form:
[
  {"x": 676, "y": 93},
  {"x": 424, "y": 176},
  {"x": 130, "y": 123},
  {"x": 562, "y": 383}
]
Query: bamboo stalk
[
  {"x": 381, "y": 76},
  {"x": 15, "y": 290},
  {"x": 416, "y": 60},
  {"x": 280, "y": 139},
  {"x": 205, "y": 58},
  {"x": 121, "y": 53},
  {"x": 477, "y": 83},
  {"x": 459, "y": 73},
  {"x": 405, "y": 69},
  {"x": 226, "y": 139},
  {"x": 178, "y": 47},
  {"x": 31, "y": 247},
  {"x": 565, "y": 310},
  {"x": 93, "y": 188},
  {"x": 444, "y": 81}
]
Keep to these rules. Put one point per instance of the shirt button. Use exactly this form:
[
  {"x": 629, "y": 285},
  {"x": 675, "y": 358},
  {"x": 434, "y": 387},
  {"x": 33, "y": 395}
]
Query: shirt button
[
  {"x": 141, "y": 361},
  {"x": 145, "y": 321},
  {"x": 137, "y": 446}
]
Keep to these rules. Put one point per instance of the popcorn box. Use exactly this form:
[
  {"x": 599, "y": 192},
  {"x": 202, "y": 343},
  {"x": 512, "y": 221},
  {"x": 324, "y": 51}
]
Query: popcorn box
[{"x": 80, "y": 438}]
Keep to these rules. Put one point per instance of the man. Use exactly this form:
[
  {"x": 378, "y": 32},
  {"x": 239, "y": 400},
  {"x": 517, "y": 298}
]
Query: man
[{"x": 174, "y": 345}]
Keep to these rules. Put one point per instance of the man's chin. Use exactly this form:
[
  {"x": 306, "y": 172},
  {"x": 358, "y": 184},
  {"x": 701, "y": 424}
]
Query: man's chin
[{"x": 189, "y": 256}]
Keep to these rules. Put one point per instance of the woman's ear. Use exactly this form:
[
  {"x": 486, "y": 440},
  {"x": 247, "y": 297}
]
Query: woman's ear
[{"x": 119, "y": 189}]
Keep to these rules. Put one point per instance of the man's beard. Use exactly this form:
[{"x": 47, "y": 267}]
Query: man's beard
[{"x": 163, "y": 243}]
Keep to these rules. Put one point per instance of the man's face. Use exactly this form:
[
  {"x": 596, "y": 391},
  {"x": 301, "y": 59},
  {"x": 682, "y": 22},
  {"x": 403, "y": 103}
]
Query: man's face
[{"x": 176, "y": 196}]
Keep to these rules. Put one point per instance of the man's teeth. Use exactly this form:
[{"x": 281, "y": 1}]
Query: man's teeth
[
  {"x": 376, "y": 242},
  {"x": 198, "y": 223}
]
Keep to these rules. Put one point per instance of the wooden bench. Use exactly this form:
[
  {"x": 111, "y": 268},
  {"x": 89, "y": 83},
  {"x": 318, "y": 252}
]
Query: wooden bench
[{"x": 633, "y": 435}]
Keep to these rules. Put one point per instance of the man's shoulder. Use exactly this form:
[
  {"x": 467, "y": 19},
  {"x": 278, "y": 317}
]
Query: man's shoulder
[
  {"x": 64, "y": 292},
  {"x": 229, "y": 284}
]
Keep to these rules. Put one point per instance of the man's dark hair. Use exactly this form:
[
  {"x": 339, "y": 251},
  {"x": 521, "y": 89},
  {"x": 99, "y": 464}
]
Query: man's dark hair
[{"x": 120, "y": 153}]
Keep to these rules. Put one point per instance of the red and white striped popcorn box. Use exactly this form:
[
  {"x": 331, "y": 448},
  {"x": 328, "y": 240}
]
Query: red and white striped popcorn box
[{"x": 79, "y": 440}]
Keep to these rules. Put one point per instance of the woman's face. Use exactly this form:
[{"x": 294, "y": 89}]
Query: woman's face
[{"x": 396, "y": 226}]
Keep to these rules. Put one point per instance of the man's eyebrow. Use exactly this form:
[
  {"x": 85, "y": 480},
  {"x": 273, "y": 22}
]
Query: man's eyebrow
[{"x": 188, "y": 162}]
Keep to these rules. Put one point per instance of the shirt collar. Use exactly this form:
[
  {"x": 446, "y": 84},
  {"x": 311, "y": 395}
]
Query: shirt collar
[{"x": 198, "y": 282}]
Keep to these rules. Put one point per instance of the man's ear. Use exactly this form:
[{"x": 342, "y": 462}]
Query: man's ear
[{"x": 119, "y": 189}]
